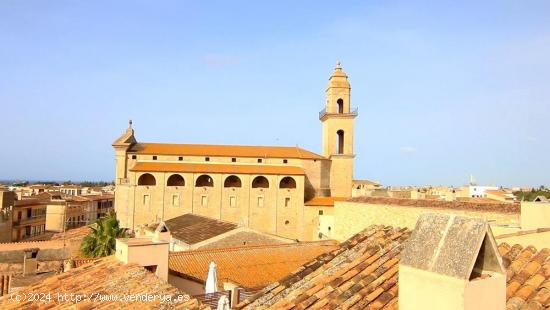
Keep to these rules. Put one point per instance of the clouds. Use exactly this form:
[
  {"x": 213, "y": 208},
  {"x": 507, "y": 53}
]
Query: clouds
[{"x": 407, "y": 149}]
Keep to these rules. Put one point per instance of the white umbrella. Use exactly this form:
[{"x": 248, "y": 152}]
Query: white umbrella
[{"x": 211, "y": 280}]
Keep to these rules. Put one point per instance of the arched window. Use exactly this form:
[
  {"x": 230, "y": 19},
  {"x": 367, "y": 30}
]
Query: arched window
[
  {"x": 287, "y": 182},
  {"x": 204, "y": 180},
  {"x": 340, "y": 134},
  {"x": 175, "y": 180},
  {"x": 340, "y": 103},
  {"x": 147, "y": 179},
  {"x": 260, "y": 182},
  {"x": 232, "y": 181}
]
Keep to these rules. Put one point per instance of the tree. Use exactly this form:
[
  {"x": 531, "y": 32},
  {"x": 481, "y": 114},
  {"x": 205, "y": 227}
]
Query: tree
[{"x": 101, "y": 240}]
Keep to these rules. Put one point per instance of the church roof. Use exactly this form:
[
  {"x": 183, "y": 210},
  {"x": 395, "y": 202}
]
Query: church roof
[
  {"x": 216, "y": 168},
  {"x": 223, "y": 150}
]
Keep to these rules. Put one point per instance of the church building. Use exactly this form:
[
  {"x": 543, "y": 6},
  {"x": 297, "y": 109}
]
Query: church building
[{"x": 274, "y": 189}]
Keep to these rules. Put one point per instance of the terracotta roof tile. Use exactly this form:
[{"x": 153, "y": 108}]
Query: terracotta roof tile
[
  {"x": 224, "y": 150},
  {"x": 250, "y": 266},
  {"x": 362, "y": 274},
  {"x": 216, "y": 168},
  {"x": 192, "y": 228},
  {"x": 324, "y": 201},
  {"x": 106, "y": 276}
]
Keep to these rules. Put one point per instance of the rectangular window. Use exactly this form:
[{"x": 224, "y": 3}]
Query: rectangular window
[
  {"x": 260, "y": 160},
  {"x": 134, "y": 156},
  {"x": 285, "y": 161},
  {"x": 175, "y": 200},
  {"x": 261, "y": 201},
  {"x": 287, "y": 201},
  {"x": 204, "y": 200},
  {"x": 146, "y": 199},
  {"x": 155, "y": 157},
  {"x": 180, "y": 158},
  {"x": 207, "y": 159},
  {"x": 232, "y": 201},
  {"x": 234, "y": 160},
  {"x": 320, "y": 212}
]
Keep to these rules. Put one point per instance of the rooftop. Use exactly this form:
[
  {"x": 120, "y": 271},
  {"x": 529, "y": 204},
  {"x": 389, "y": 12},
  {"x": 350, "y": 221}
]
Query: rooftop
[
  {"x": 249, "y": 266},
  {"x": 246, "y": 237},
  {"x": 108, "y": 277},
  {"x": 223, "y": 150},
  {"x": 361, "y": 273},
  {"x": 192, "y": 228},
  {"x": 216, "y": 168},
  {"x": 497, "y": 207},
  {"x": 324, "y": 201}
]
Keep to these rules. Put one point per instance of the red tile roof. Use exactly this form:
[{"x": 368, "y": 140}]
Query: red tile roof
[
  {"x": 108, "y": 277},
  {"x": 224, "y": 150},
  {"x": 249, "y": 266},
  {"x": 362, "y": 274},
  {"x": 324, "y": 201},
  {"x": 216, "y": 168},
  {"x": 497, "y": 206}
]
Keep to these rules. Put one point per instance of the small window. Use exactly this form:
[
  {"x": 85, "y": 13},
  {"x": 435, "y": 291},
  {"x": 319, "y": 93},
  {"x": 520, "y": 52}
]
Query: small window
[
  {"x": 320, "y": 212},
  {"x": 146, "y": 199},
  {"x": 232, "y": 201},
  {"x": 287, "y": 201},
  {"x": 287, "y": 222},
  {"x": 134, "y": 156},
  {"x": 180, "y": 158},
  {"x": 155, "y": 157},
  {"x": 207, "y": 159},
  {"x": 175, "y": 200},
  {"x": 204, "y": 200},
  {"x": 261, "y": 201},
  {"x": 285, "y": 161},
  {"x": 260, "y": 160},
  {"x": 233, "y": 160}
]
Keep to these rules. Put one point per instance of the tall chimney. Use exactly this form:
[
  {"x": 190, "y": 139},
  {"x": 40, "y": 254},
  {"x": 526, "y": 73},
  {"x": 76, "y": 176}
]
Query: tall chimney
[
  {"x": 30, "y": 262},
  {"x": 451, "y": 262}
]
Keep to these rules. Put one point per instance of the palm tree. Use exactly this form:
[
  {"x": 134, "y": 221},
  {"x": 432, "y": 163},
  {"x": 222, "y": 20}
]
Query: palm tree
[{"x": 102, "y": 239}]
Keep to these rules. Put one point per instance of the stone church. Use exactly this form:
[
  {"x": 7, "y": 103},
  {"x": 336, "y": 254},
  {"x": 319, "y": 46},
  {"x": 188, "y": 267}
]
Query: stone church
[{"x": 274, "y": 189}]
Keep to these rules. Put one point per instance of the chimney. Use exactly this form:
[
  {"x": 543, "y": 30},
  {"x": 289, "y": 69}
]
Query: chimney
[
  {"x": 30, "y": 263},
  {"x": 148, "y": 252},
  {"x": 5, "y": 283},
  {"x": 451, "y": 262},
  {"x": 162, "y": 233}
]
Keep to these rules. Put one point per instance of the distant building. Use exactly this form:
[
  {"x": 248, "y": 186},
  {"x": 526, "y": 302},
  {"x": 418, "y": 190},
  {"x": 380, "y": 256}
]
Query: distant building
[
  {"x": 28, "y": 219},
  {"x": 7, "y": 201},
  {"x": 364, "y": 187}
]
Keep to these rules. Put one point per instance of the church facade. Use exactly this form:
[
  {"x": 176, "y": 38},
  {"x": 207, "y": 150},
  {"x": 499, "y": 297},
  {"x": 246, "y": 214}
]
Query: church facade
[{"x": 274, "y": 189}]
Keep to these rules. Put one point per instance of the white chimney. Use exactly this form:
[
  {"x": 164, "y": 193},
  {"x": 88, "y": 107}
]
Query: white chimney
[{"x": 451, "y": 262}]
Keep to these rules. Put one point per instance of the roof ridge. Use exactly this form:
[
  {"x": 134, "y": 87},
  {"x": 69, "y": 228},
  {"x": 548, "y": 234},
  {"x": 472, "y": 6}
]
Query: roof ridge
[{"x": 251, "y": 247}]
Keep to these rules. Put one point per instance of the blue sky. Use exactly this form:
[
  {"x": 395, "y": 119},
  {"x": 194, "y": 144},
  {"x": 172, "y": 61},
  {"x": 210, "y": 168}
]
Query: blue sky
[{"x": 445, "y": 89}]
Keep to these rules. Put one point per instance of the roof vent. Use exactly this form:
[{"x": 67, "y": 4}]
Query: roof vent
[
  {"x": 162, "y": 233},
  {"x": 451, "y": 262}
]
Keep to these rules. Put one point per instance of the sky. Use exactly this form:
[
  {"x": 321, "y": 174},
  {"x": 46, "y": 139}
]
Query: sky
[{"x": 445, "y": 89}]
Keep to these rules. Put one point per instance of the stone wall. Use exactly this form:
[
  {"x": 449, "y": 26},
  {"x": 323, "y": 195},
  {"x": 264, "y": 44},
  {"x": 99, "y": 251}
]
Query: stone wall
[{"x": 350, "y": 217}]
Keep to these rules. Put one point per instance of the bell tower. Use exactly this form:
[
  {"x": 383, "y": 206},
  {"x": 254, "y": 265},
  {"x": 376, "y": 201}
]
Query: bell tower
[{"x": 337, "y": 119}]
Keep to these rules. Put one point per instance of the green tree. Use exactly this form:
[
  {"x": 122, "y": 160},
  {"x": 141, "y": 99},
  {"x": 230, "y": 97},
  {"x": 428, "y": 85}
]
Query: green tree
[{"x": 102, "y": 239}]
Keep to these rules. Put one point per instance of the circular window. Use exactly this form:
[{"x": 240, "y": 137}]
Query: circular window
[{"x": 287, "y": 222}]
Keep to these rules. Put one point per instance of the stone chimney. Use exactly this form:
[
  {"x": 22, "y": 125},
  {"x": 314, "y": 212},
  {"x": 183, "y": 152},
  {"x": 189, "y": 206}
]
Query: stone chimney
[
  {"x": 451, "y": 262},
  {"x": 30, "y": 262},
  {"x": 162, "y": 233}
]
